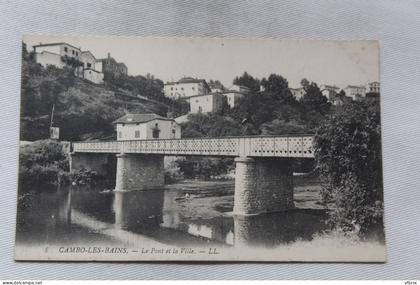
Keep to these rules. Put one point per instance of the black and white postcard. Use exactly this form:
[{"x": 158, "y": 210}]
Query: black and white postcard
[{"x": 199, "y": 149}]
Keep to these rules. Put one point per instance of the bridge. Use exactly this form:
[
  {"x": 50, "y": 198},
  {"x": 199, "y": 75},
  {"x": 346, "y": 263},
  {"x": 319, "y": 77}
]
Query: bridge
[{"x": 263, "y": 175}]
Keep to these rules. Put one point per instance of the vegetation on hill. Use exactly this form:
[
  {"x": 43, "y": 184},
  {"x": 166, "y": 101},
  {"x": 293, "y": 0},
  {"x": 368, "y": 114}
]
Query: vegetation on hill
[
  {"x": 82, "y": 110},
  {"x": 273, "y": 111}
]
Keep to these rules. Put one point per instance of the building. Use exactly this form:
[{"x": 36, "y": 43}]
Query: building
[
  {"x": 63, "y": 54},
  {"x": 235, "y": 93},
  {"x": 240, "y": 88},
  {"x": 330, "y": 91},
  {"x": 233, "y": 97},
  {"x": 57, "y": 54},
  {"x": 110, "y": 67},
  {"x": 146, "y": 126},
  {"x": 186, "y": 87},
  {"x": 89, "y": 70},
  {"x": 374, "y": 87},
  {"x": 355, "y": 92},
  {"x": 297, "y": 92},
  {"x": 208, "y": 103}
]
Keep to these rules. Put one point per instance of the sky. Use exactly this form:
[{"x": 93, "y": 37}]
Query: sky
[{"x": 339, "y": 63}]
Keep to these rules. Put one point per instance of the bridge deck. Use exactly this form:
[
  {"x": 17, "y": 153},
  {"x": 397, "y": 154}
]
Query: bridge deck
[{"x": 257, "y": 146}]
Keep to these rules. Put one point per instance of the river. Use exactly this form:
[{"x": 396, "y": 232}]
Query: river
[{"x": 190, "y": 213}]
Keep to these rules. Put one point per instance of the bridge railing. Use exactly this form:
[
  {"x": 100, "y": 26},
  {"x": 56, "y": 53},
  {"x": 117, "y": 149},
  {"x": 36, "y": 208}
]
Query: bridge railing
[
  {"x": 261, "y": 146},
  {"x": 105, "y": 147}
]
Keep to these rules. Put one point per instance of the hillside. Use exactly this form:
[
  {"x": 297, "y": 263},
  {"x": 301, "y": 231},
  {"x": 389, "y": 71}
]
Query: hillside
[{"x": 82, "y": 110}]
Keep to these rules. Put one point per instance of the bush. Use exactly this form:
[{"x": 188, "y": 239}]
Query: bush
[
  {"x": 348, "y": 155},
  {"x": 204, "y": 167},
  {"x": 84, "y": 177},
  {"x": 42, "y": 163}
]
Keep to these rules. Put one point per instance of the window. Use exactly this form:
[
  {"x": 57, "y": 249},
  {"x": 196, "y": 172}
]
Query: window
[
  {"x": 89, "y": 65},
  {"x": 72, "y": 52},
  {"x": 196, "y": 100},
  {"x": 119, "y": 134},
  {"x": 137, "y": 134},
  {"x": 156, "y": 133},
  {"x": 66, "y": 49},
  {"x": 77, "y": 53},
  {"x": 182, "y": 88},
  {"x": 173, "y": 131},
  {"x": 193, "y": 88},
  {"x": 172, "y": 88}
]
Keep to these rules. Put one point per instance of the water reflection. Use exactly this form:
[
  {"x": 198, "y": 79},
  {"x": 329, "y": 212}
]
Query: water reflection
[
  {"x": 138, "y": 211},
  {"x": 165, "y": 216},
  {"x": 276, "y": 228}
]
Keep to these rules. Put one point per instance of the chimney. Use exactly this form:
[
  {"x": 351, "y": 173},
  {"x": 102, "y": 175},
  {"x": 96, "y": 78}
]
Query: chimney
[{"x": 109, "y": 55}]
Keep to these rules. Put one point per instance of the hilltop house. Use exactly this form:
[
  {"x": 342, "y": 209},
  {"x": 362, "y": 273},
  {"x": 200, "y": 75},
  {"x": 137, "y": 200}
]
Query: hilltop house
[
  {"x": 374, "y": 87},
  {"x": 297, "y": 92},
  {"x": 330, "y": 91},
  {"x": 208, "y": 103},
  {"x": 111, "y": 68},
  {"x": 355, "y": 92},
  {"x": 186, "y": 87},
  {"x": 146, "y": 126},
  {"x": 213, "y": 102},
  {"x": 235, "y": 93},
  {"x": 63, "y": 54}
]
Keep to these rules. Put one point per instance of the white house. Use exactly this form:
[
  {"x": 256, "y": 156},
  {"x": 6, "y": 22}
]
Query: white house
[
  {"x": 63, "y": 54},
  {"x": 355, "y": 92},
  {"x": 235, "y": 93},
  {"x": 186, "y": 87},
  {"x": 330, "y": 91},
  {"x": 146, "y": 126},
  {"x": 297, "y": 92},
  {"x": 375, "y": 87},
  {"x": 90, "y": 70},
  {"x": 57, "y": 54},
  {"x": 233, "y": 97},
  {"x": 208, "y": 103}
]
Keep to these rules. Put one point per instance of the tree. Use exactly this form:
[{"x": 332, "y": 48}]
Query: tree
[
  {"x": 348, "y": 155},
  {"x": 210, "y": 125},
  {"x": 248, "y": 81},
  {"x": 277, "y": 86},
  {"x": 314, "y": 100}
]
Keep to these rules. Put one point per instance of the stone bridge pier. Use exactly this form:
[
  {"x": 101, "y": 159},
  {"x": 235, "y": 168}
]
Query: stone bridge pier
[
  {"x": 139, "y": 171},
  {"x": 263, "y": 185}
]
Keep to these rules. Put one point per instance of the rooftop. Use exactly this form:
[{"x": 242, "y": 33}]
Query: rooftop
[
  {"x": 139, "y": 118},
  {"x": 189, "y": 80},
  {"x": 326, "y": 86},
  {"x": 355, "y": 86},
  {"x": 55, "y": 44}
]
